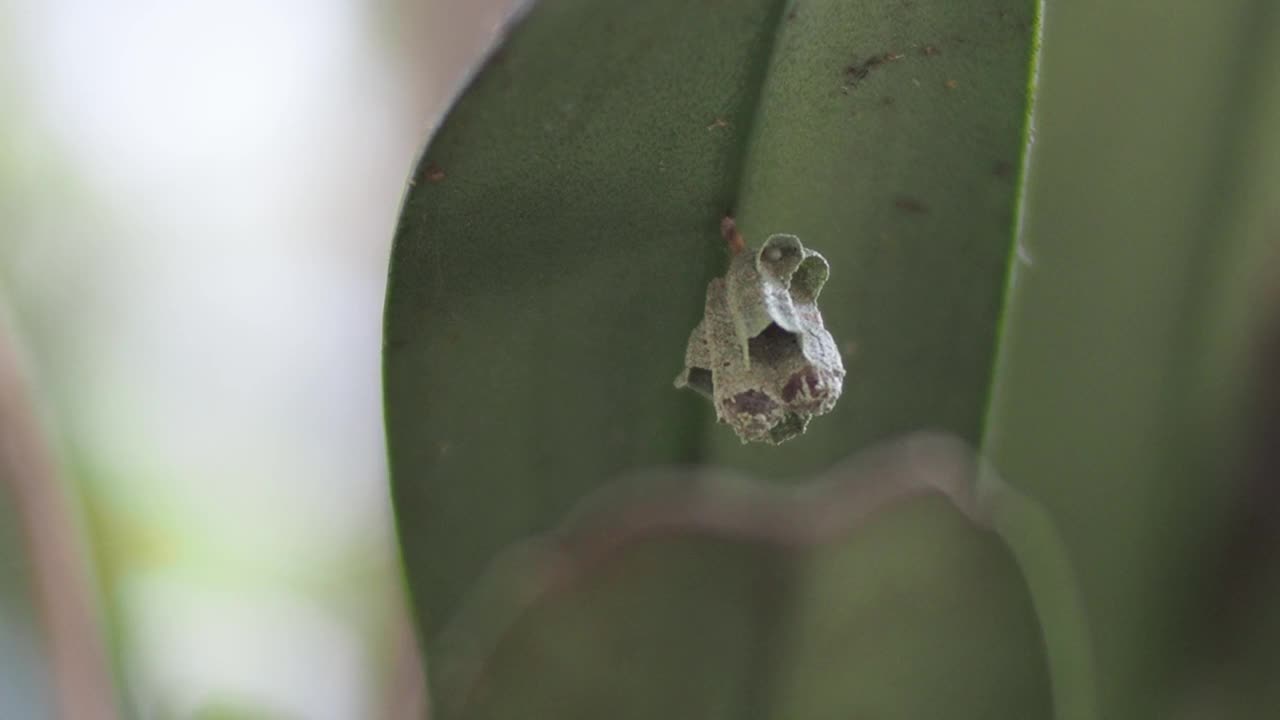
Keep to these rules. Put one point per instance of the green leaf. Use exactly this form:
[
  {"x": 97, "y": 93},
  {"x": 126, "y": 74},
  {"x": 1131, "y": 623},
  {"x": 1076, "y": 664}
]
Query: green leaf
[
  {"x": 560, "y": 232},
  {"x": 888, "y": 137},
  {"x": 550, "y": 264},
  {"x": 562, "y": 227},
  {"x": 1150, "y": 233}
]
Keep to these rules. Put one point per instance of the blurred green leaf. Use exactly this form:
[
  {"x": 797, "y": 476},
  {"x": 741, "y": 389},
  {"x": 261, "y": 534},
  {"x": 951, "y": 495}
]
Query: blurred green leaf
[
  {"x": 701, "y": 594},
  {"x": 1151, "y": 215}
]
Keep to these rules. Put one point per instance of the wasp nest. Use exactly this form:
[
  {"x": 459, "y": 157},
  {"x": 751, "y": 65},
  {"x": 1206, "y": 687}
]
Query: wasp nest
[{"x": 761, "y": 352}]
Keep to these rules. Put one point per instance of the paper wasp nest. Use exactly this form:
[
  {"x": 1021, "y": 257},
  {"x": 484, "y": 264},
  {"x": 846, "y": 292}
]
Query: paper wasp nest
[{"x": 761, "y": 352}]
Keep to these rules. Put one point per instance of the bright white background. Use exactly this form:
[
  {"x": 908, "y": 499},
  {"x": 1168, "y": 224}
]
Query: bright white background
[{"x": 196, "y": 206}]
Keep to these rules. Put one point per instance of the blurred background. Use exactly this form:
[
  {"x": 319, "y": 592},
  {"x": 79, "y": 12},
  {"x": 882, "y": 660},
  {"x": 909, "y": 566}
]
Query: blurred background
[{"x": 196, "y": 207}]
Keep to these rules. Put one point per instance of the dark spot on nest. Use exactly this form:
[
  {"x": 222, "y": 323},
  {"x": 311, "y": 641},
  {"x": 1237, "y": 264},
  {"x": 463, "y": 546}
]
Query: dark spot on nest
[
  {"x": 792, "y": 388},
  {"x": 910, "y": 205},
  {"x": 700, "y": 380},
  {"x": 791, "y": 425},
  {"x": 807, "y": 380},
  {"x": 752, "y": 402},
  {"x": 773, "y": 345},
  {"x": 815, "y": 385}
]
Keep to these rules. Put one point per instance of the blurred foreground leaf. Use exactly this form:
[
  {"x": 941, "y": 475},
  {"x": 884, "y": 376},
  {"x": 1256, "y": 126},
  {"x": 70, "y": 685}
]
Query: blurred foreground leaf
[{"x": 702, "y": 594}]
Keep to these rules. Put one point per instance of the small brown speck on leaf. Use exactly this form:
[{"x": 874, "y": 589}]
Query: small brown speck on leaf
[
  {"x": 1002, "y": 170},
  {"x": 718, "y": 123},
  {"x": 910, "y": 205},
  {"x": 886, "y": 101},
  {"x": 434, "y": 173},
  {"x": 849, "y": 348},
  {"x": 795, "y": 9},
  {"x": 951, "y": 84},
  {"x": 859, "y": 71},
  {"x": 930, "y": 50}
]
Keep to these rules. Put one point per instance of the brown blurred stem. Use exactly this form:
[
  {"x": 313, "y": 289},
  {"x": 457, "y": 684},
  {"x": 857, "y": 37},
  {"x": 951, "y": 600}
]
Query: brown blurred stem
[
  {"x": 65, "y": 603},
  {"x": 408, "y": 697}
]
